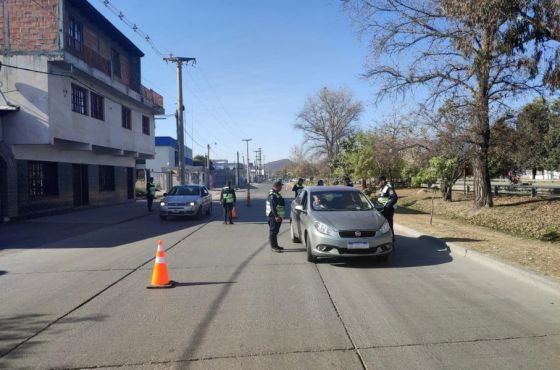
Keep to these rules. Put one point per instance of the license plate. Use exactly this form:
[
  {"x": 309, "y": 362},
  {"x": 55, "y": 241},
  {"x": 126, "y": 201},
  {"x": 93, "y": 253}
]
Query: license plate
[
  {"x": 175, "y": 210},
  {"x": 358, "y": 245}
]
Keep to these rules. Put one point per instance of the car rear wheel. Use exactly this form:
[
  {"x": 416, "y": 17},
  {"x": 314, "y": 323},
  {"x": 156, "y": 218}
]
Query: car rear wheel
[
  {"x": 310, "y": 256},
  {"x": 293, "y": 235}
]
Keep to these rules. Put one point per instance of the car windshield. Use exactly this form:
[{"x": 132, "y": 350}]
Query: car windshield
[
  {"x": 184, "y": 190},
  {"x": 340, "y": 201}
]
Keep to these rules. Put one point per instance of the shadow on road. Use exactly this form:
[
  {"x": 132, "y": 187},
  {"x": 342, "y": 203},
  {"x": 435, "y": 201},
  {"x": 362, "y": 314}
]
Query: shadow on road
[
  {"x": 409, "y": 252},
  {"x": 199, "y": 283},
  {"x": 14, "y": 330},
  {"x": 36, "y": 234}
]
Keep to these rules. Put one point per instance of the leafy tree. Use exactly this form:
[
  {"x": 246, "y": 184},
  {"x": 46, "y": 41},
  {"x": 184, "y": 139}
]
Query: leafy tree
[
  {"x": 552, "y": 138},
  {"x": 473, "y": 52},
  {"x": 503, "y": 148}
]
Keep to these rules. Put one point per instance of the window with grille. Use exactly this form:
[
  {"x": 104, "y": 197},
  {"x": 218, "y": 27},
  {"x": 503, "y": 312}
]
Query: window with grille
[
  {"x": 79, "y": 99},
  {"x": 145, "y": 125},
  {"x": 106, "y": 178},
  {"x": 75, "y": 35},
  {"x": 126, "y": 118},
  {"x": 97, "y": 106},
  {"x": 42, "y": 179}
]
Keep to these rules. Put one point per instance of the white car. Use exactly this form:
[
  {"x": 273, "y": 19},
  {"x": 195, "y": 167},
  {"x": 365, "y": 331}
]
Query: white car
[{"x": 186, "y": 200}]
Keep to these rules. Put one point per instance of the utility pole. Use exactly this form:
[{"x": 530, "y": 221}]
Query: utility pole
[
  {"x": 208, "y": 166},
  {"x": 237, "y": 171},
  {"x": 180, "y": 109},
  {"x": 248, "y": 174}
]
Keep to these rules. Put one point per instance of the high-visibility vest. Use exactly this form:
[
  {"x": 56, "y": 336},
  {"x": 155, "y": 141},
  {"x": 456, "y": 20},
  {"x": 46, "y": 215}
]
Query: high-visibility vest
[
  {"x": 280, "y": 211},
  {"x": 384, "y": 195},
  {"x": 151, "y": 189},
  {"x": 228, "y": 196}
]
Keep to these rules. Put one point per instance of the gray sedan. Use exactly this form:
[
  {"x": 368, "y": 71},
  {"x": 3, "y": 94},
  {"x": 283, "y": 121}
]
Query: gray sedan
[
  {"x": 337, "y": 221},
  {"x": 186, "y": 200}
]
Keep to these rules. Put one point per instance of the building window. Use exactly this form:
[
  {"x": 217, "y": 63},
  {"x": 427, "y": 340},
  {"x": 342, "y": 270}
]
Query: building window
[
  {"x": 97, "y": 106},
  {"x": 126, "y": 118},
  {"x": 106, "y": 178},
  {"x": 75, "y": 35},
  {"x": 116, "y": 63},
  {"x": 43, "y": 178},
  {"x": 79, "y": 99},
  {"x": 145, "y": 125}
]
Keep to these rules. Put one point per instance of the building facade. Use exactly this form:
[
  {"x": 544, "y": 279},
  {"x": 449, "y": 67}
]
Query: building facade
[{"x": 74, "y": 117}]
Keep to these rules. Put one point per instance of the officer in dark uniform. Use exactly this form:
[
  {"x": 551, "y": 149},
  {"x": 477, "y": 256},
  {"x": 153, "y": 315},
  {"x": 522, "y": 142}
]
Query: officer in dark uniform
[
  {"x": 150, "y": 193},
  {"x": 298, "y": 187},
  {"x": 348, "y": 182},
  {"x": 228, "y": 200},
  {"x": 320, "y": 183},
  {"x": 388, "y": 198},
  {"x": 275, "y": 212}
]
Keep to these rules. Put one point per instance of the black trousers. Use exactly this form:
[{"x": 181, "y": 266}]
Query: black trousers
[
  {"x": 389, "y": 213},
  {"x": 228, "y": 208},
  {"x": 150, "y": 199},
  {"x": 273, "y": 230}
]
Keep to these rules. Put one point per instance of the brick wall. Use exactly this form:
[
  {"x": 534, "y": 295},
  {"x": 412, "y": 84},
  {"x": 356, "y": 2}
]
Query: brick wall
[{"x": 33, "y": 26}]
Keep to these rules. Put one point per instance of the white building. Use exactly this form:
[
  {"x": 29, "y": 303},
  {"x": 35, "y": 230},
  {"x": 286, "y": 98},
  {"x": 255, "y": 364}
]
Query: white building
[{"x": 83, "y": 119}]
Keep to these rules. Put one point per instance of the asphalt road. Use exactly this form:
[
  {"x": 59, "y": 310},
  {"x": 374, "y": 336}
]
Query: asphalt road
[{"x": 80, "y": 301}]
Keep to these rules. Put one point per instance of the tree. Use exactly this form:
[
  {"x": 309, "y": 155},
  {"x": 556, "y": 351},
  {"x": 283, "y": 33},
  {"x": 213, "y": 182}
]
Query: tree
[
  {"x": 474, "y": 52},
  {"x": 327, "y": 119},
  {"x": 503, "y": 148},
  {"x": 532, "y": 126},
  {"x": 552, "y": 138}
]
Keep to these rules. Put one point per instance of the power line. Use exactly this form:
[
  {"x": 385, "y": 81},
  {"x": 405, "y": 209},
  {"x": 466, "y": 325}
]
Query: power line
[{"x": 134, "y": 27}]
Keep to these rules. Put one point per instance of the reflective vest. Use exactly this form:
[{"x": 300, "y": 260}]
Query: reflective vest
[
  {"x": 279, "y": 204},
  {"x": 151, "y": 189},
  {"x": 228, "y": 195},
  {"x": 384, "y": 195}
]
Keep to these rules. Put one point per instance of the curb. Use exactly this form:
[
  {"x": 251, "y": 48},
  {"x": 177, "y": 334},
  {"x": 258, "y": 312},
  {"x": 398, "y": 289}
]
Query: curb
[{"x": 515, "y": 271}]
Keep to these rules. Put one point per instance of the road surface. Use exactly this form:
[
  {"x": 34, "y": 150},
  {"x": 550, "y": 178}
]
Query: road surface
[{"x": 79, "y": 300}]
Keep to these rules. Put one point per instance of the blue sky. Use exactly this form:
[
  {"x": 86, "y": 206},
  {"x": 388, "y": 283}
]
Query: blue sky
[{"x": 257, "y": 62}]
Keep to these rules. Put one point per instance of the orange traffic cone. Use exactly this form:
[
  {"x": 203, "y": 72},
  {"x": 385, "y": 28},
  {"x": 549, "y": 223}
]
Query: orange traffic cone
[
  {"x": 234, "y": 212},
  {"x": 160, "y": 276}
]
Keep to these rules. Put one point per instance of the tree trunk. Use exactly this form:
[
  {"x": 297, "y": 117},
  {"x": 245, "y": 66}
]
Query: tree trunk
[
  {"x": 481, "y": 173},
  {"x": 534, "y": 173}
]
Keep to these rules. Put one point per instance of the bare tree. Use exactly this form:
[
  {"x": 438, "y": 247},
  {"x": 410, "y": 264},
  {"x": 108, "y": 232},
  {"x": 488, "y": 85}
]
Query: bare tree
[
  {"x": 326, "y": 119},
  {"x": 471, "y": 51}
]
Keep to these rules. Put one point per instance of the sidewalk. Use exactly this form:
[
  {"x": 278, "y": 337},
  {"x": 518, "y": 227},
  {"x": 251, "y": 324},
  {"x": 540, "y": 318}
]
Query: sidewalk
[{"x": 42, "y": 230}]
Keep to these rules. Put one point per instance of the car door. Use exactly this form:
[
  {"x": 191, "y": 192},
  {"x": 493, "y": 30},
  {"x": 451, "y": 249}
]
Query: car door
[
  {"x": 206, "y": 200},
  {"x": 302, "y": 201}
]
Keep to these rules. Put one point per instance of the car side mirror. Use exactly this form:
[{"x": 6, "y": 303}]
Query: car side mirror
[
  {"x": 164, "y": 194},
  {"x": 300, "y": 208}
]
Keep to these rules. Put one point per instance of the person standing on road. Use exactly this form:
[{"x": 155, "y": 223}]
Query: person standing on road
[
  {"x": 275, "y": 212},
  {"x": 298, "y": 187},
  {"x": 348, "y": 182},
  {"x": 150, "y": 193},
  {"x": 228, "y": 200},
  {"x": 320, "y": 183},
  {"x": 388, "y": 198}
]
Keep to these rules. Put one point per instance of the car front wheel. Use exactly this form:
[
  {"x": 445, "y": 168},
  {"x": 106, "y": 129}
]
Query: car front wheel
[{"x": 310, "y": 256}]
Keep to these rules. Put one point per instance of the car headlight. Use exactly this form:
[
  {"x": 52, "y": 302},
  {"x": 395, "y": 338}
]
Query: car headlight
[
  {"x": 192, "y": 204},
  {"x": 325, "y": 229},
  {"x": 162, "y": 204},
  {"x": 385, "y": 228}
]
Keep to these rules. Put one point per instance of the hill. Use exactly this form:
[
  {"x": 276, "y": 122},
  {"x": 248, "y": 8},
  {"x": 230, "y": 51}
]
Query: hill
[{"x": 277, "y": 166}]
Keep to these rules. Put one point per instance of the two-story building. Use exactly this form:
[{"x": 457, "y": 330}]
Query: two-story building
[{"x": 74, "y": 116}]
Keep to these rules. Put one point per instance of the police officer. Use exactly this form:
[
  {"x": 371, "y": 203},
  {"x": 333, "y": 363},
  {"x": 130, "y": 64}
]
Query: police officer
[
  {"x": 150, "y": 193},
  {"x": 228, "y": 200},
  {"x": 298, "y": 187},
  {"x": 320, "y": 183},
  {"x": 388, "y": 198},
  {"x": 275, "y": 213},
  {"x": 348, "y": 182}
]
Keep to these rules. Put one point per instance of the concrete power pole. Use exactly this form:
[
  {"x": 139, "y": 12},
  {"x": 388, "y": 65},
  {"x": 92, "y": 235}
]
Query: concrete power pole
[
  {"x": 237, "y": 172},
  {"x": 180, "y": 109},
  {"x": 208, "y": 166},
  {"x": 248, "y": 174}
]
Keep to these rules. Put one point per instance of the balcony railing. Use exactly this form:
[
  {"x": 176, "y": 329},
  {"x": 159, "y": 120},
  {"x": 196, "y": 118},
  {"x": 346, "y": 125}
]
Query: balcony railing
[
  {"x": 88, "y": 55},
  {"x": 152, "y": 96}
]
